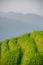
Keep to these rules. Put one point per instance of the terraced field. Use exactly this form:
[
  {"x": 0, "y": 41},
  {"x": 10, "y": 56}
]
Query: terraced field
[{"x": 26, "y": 49}]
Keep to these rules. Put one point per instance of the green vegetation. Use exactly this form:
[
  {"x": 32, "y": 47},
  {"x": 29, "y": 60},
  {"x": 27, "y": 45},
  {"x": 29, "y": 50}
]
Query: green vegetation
[{"x": 26, "y": 49}]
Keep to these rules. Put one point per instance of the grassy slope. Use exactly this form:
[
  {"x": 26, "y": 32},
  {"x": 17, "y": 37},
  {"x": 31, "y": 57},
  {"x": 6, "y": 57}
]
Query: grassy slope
[{"x": 26, "y": 49}]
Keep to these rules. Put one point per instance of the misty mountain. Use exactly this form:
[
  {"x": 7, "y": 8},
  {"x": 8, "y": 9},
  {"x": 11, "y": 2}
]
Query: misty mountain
[{"x": 12, "y": 24}]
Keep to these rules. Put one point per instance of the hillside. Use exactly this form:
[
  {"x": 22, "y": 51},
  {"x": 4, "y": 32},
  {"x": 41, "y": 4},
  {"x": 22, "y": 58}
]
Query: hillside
[{"x": 26, "y": 49}]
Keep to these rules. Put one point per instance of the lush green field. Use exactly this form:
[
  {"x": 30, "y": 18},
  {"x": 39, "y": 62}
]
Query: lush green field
[{"x": 26, "y": 49}]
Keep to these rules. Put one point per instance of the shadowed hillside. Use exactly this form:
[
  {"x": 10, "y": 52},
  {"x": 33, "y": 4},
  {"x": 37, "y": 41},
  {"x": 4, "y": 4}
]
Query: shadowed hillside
[{"x": 26, "y": 49}]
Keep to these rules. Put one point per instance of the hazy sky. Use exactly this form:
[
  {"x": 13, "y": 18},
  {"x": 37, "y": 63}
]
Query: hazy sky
[{"x": 22, "y": 6}]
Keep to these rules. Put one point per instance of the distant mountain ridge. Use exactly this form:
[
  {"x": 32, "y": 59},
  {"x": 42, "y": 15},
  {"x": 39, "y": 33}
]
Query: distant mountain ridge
[
  {"x": 26, "y": 18},
  {"x": 15, "y": 24}
]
